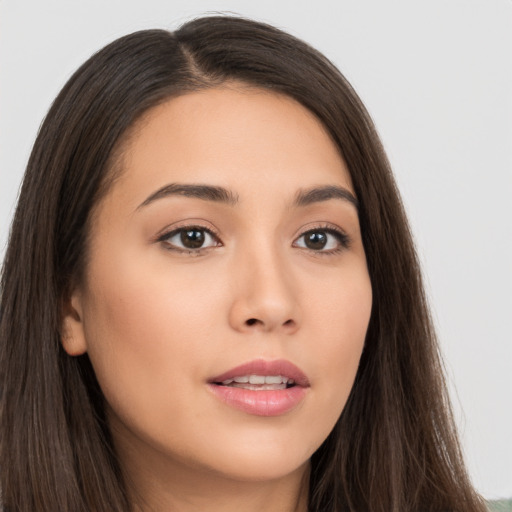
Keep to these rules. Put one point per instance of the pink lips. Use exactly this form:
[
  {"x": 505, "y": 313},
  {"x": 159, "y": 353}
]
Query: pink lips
[{"x": 264, "y": 402}]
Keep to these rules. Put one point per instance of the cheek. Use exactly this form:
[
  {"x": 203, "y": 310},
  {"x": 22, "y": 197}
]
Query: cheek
[
  {"x": 144, "y": 331},
  {"x": 340, "y": 313}
]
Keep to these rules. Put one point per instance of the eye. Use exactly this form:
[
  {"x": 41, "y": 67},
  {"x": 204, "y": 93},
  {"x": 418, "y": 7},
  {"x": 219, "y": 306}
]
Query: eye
[
  {"x": 323, "y": 240},
  {"x": 190, "y": 239}
]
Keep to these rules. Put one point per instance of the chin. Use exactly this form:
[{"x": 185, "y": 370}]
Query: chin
[
  {"x": 261, "y": 459},
  {"x": 263, "y": 470}
]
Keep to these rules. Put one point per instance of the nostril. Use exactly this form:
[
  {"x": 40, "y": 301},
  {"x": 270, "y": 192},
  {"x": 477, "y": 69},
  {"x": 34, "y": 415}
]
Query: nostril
[{"x": 252, "y": 322}]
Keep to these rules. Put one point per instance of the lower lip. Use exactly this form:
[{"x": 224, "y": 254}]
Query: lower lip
[{"x": 260, "y": 403}]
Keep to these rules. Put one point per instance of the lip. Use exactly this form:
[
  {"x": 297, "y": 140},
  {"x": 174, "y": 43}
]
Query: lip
[{"x": 262, "y": 402}]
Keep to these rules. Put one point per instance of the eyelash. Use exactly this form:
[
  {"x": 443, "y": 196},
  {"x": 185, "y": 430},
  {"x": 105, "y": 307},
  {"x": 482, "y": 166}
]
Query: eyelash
[
  {"x": 164, "y": 239},
  {"x": 341, "y": 237}
]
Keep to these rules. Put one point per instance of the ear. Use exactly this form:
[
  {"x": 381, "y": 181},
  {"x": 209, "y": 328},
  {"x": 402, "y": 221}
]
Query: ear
[{"x": 72, "y": 332}]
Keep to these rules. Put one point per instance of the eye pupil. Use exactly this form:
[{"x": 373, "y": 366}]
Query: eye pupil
[
  {"x": 315, "y": 240},
  {"x": 192, "y": 238}
]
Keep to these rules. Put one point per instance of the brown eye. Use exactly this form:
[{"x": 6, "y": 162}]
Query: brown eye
[
  {"x": 316, "y": 240},
  {"x": 189, "y": 238},
  {"x": 192, "y": 238},
  {"x": 322, "y": 240}
]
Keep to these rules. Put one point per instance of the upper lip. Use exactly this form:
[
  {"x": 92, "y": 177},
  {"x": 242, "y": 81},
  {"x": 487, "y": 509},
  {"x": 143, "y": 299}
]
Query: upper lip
[{"x": 262, "y": 367}]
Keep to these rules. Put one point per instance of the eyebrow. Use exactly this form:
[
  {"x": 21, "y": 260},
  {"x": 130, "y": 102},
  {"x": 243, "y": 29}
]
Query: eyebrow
[
  {"x": 205, "y": 192},
  {"x": 223, "y": 195},
  {"x": 324, "y": 193}
]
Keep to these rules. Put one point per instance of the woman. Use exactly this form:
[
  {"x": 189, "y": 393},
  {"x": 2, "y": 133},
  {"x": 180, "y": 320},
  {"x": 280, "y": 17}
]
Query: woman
[{"x": 211, "y": 299}]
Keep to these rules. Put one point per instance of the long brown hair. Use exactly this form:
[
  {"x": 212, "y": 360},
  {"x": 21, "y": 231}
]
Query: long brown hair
[{"x": 394, "y": 448}]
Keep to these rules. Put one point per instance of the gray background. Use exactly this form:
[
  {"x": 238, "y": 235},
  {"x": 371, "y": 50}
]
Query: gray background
[{"x": 437, "y": 78}]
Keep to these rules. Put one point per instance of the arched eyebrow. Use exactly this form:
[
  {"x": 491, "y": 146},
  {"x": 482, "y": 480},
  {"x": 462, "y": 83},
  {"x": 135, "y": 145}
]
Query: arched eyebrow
[
  {"x": 223, "y": 195},
  {"x": 324, "y": 193},
  {"x": 205, "y": 192}
]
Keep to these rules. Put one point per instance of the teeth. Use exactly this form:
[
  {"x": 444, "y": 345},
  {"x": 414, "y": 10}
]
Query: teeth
[
  {"x": 275, "y": 379},
  {"x": 258, "y": 387},
  {"x": 259, "y": 380}
]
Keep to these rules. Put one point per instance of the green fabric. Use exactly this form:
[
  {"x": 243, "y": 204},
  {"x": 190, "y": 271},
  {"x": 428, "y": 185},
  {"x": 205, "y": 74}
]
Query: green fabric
[{"x": 500, "y": 505}]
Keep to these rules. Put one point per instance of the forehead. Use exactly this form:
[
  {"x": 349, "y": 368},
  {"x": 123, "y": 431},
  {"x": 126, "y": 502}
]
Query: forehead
[{"x": 230, "y": 136}]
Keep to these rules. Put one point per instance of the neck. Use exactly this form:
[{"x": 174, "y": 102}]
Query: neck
[
  {"x": 157, "y": 483},
  {"x": 197, "y": 491}
]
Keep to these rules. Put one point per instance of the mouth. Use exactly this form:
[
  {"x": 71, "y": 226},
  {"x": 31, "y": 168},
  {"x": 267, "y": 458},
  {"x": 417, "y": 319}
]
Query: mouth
[
  {"x": 257, "y": 374},
  {"x": 261, "y": 388},
  {"x": 258, "y": 382}
]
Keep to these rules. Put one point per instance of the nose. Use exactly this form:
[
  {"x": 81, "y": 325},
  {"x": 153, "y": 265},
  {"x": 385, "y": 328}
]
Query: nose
[{"x": 264, "y": 295}]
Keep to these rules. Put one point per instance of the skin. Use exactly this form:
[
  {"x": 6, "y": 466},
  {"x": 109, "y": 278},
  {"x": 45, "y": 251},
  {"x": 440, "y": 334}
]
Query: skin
[{"x": 158, "y": 321}]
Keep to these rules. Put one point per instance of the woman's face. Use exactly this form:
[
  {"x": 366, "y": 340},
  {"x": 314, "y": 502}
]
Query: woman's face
[{"x": 229, "y": 250}]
